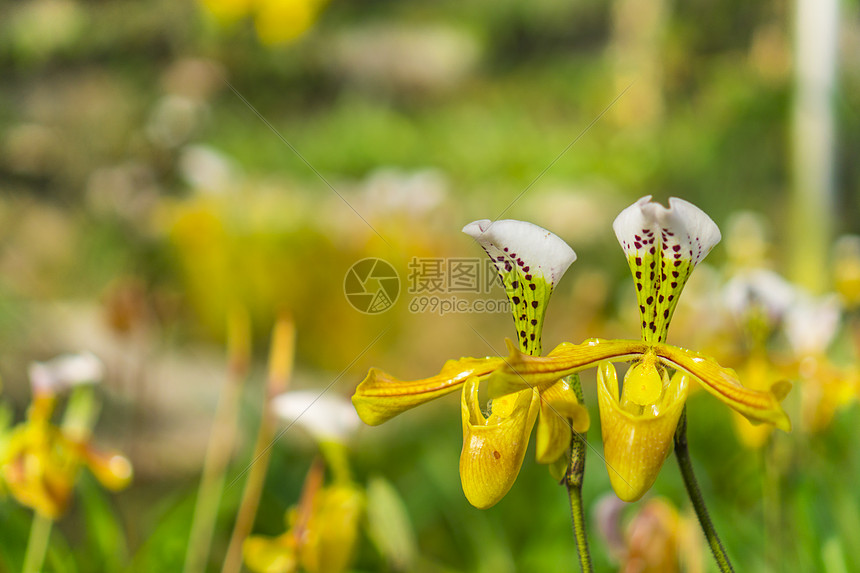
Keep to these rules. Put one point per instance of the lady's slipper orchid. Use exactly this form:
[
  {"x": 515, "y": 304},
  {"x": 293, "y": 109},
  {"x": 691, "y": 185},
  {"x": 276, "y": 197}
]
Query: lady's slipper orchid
[
  {"x": 662, "y": 246},
  {"x": 530, "y": 260}
]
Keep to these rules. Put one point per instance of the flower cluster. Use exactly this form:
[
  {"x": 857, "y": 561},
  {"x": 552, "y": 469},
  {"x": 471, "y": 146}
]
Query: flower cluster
[{"x": 663, "y": 246}]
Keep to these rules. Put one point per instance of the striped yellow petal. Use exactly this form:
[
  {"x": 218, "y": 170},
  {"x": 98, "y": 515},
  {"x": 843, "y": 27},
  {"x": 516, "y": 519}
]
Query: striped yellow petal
[
  {"x": 523, "y": 371},
  {"x": 756, "y": 405},
  {"x": 381, "y": 396}
]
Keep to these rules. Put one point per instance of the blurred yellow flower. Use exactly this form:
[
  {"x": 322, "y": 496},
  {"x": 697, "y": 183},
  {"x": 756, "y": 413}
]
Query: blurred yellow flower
[
  {"x": 228, "y": 11},
  {"x": 811, "y": 324},
  {"x": 321, "y": 532},
  {"x": 39, "y": 462},
  {"x": 276, "y": 21}
]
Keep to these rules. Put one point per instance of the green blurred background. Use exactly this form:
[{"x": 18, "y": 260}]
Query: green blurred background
[{"x": 162, "y": 162}]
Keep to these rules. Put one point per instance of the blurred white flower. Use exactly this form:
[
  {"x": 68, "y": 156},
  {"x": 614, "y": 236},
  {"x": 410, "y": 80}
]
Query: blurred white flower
[
  {"x": 759, "y": 290},
  {"x": 328, "y": 418},
  {"x": 65, "y": 371},
  {"x": 207, "y": 170},
  {"x": 812, "y": 322}
]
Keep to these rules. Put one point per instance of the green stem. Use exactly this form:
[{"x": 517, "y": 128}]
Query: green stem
[
  {"x": 573, "y": 480},
  {"x": 37, "y": 545},
  {"x": 211, "y": 486},
  {"x": 682, "y": 452},
  {"x": 280, "y": 370}
]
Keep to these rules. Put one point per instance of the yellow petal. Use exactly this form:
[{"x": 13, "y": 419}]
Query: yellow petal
[
  {"x": 112, "y": 469},
  {"x": 757, "y": 406},
  {"x": 558, "y": 408},
  {"x": 635, "y": 446},
  {"x": 328, "y": 543},
  {"x": 380, "y": 396},
  {"x": 270, "y": 555},
  {"x": 494, "y": 449},
  {"x": 524, "y": 371}
]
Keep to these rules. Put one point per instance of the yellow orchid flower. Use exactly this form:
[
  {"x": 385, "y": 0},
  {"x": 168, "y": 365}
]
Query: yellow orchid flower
[
  {"x": 530, "y": 261},
  {"x": 321, "y": 532},
  {"x": 663, "y": 246},
  {"x": 40, "y": 462}
]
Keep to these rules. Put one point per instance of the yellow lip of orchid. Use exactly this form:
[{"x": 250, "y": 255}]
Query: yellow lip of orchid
[
  {"x": 635, "y": 444},
  {"x": 494, "y": 447}
]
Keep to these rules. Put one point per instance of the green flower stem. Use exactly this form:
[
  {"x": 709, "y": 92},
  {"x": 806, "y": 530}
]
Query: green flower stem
[
  {"x": 280, "y": 369},
  {"x": 682, "y": 452},
  {"x": 251, "y": 494},
  {"x": 37, "y": 544},
  {"x": 573, "y": 480},
  {"x": 220, "y": 447}
]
